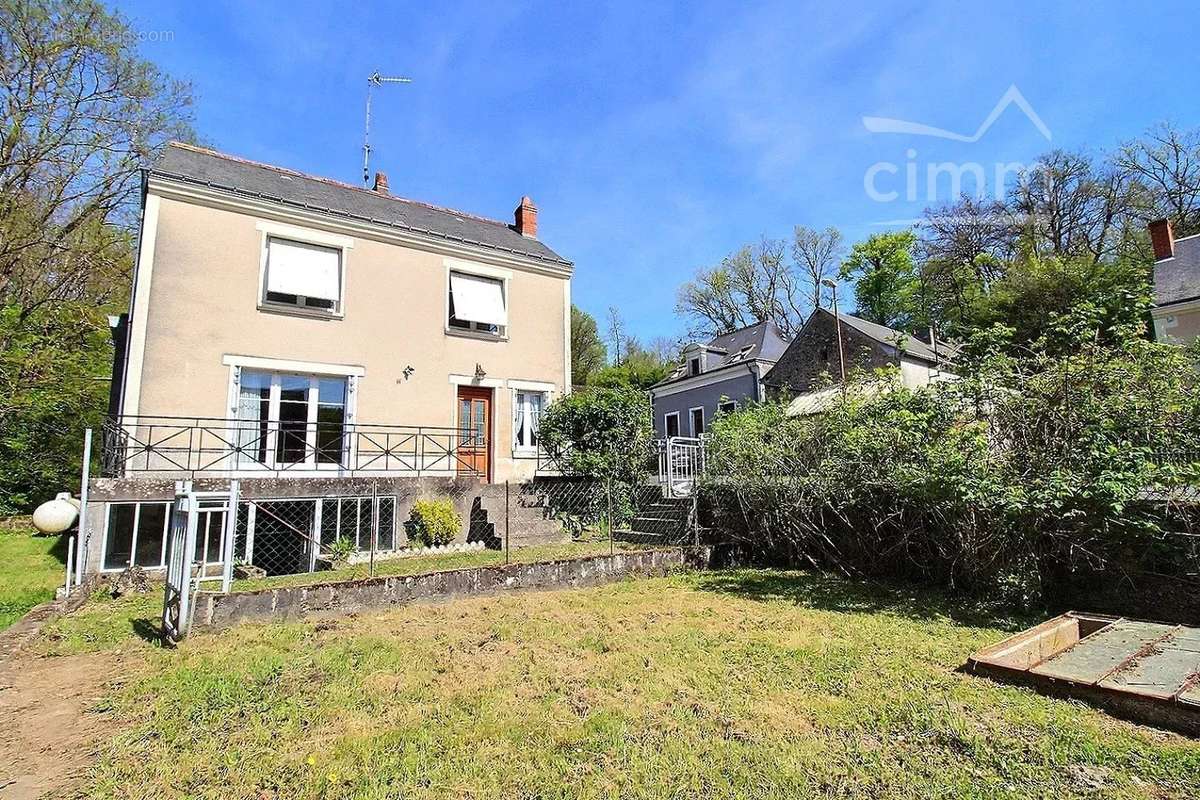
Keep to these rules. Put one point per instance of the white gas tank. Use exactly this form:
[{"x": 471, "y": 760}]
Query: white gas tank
[{"x": 57, "y": 515}]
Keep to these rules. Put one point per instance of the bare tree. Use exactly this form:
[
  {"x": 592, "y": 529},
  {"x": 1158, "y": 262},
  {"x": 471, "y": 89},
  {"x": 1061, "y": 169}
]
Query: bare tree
[
  {"x": 1165, "y": 163},
  {"x": 817, "y": 255},
  {"x": 616, "y": 334},
  {"x": 1070, "y": 208},
  {"x": 748, "y": 286},
  {"x": 80, "y": 113}
]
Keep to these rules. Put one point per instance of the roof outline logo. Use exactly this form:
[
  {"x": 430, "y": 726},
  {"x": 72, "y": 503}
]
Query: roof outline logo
[{"x": 1012, "y": 96}]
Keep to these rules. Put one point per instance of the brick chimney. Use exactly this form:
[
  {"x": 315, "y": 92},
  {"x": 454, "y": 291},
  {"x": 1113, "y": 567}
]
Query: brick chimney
[
  {"x": 380, "y": 183},
  {"x": 1162, "y": 236},
  {"x": 526, "y": 218}
]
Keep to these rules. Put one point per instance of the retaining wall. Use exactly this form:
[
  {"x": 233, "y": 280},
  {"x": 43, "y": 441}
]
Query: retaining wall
[{"x": 296, "y": 602}]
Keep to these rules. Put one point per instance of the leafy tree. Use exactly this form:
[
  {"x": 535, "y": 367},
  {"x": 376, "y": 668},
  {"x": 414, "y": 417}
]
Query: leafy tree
[
  {"x": 886, "y": 285},
  {"x": 588, "y": 353},
  {"x": 80, "y": 114},
  {"x": 640, "y": 369}
]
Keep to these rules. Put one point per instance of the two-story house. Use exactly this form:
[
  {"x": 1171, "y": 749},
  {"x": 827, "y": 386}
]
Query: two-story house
[
  {"x": 302, "y": 331},
  {"x": 1176, "y": 311},
  {"x": 715, "y": 376}
]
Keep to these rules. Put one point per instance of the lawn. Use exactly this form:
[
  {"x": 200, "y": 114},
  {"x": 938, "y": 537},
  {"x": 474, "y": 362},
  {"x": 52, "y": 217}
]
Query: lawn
[
  {"x": 33, "y": 567},
  {"x": 747, "y": 684},
  {"x": 437, "y": 562}
]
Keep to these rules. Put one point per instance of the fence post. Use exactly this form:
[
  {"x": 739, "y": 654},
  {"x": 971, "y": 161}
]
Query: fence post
[
  {"x": 374, "y": 527},
  {"x": 608, "y": 492},
  {"x": 86, "y": 478},
  {"x": 506, "y": 501}
]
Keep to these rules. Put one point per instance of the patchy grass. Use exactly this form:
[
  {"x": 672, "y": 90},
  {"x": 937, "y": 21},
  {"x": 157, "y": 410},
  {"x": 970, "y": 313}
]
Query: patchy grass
[
  {"x": 746, "y": 684},
  {"x": 105, "y": 623},
  {"x": 415, "y": 565},
  {"x": 31, "y": 568}
]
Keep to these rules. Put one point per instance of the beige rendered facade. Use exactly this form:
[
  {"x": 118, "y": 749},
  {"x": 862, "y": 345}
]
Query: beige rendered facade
[{"x": 199, "y": 321}]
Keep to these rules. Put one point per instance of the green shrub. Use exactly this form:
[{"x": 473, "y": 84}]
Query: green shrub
[{"x": 433, "y": 522}]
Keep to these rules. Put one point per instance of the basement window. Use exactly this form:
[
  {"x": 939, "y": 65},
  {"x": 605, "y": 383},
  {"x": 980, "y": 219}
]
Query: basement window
[
  {"x": 353, "y": 519},
  {"x": 135, "y": 535},
  {"x": 298, "y": 275}
]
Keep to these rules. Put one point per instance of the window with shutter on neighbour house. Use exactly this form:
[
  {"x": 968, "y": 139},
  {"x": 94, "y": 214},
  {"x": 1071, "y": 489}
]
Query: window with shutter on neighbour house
[
  {"x": 302, "y": 276},
  {"x": 527, "y": 412},
  {"x": 477, "y": 303}
]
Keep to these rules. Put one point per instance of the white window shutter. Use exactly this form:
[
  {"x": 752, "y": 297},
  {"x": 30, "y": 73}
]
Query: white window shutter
[
  {"x": 304, "y": 269},
  {"x": 478, "y": 299}
]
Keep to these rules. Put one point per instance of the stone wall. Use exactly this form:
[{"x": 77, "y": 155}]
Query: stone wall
[
  {"x": 297, "y": 602},
  {"x": 814, "y": 353}
]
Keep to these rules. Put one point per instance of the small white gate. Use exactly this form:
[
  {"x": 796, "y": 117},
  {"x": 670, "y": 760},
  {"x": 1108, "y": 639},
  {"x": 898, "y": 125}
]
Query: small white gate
[
  {"x": 192, "y": 513},
  {"x": 680, "y": 463}
]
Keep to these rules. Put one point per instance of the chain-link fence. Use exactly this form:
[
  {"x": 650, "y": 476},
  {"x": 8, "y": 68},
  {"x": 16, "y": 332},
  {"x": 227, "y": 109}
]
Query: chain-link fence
[{"x": 280, "y": 541}]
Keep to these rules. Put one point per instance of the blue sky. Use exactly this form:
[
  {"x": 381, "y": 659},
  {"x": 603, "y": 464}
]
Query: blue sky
[{"x": 655, "y": 139}]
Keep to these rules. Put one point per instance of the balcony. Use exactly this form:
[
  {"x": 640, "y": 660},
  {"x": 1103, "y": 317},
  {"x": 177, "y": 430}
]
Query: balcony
[{"x": 188, "y": 447}]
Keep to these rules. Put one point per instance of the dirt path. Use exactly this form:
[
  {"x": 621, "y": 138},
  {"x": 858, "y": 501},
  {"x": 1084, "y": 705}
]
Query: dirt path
[{"x": 48, "y": 728}]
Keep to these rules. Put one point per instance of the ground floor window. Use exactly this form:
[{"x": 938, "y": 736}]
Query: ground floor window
[
  {"x": 671, "y": 424},
  {"x": 286, "y": 419},
  {"x": 136, "y": 535},
  {"x": 527, "y": 411},
  {"x": 727, "y": 406},
  {"x": 697, "y": 415}
]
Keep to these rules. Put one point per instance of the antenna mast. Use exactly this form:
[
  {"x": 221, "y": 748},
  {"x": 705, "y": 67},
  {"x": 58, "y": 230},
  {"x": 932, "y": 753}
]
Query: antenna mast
[{"x": 373, "y": 80}]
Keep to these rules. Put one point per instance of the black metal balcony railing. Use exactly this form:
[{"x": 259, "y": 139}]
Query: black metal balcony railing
[{"x": 199, "y": 446}]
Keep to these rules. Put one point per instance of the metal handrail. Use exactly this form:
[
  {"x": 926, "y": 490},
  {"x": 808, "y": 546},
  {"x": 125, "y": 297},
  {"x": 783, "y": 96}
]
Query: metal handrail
[{"x": 211, "y": 445}]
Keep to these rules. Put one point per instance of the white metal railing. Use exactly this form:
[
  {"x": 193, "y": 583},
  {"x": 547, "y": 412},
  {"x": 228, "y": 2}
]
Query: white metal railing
[{"x": 680, "y": 464}]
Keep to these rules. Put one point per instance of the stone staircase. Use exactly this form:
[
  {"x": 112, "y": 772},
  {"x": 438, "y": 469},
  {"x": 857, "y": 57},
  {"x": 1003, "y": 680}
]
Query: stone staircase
[
  {"x": 529, "y": 522},
  {"x": 660, "y": 520}
]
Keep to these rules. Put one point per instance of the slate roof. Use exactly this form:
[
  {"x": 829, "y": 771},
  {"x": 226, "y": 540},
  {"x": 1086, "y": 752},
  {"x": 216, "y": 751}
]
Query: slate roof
[
  {"x": 1178, "y": 279},
  {"x": 762, "y": 341},
  {"x": 894, "y": 338},
  {"x": 200, "y": 166}
]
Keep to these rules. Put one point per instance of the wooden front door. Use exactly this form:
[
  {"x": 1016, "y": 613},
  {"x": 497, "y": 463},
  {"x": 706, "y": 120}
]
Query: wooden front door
[{"x": 475, "y": 431}]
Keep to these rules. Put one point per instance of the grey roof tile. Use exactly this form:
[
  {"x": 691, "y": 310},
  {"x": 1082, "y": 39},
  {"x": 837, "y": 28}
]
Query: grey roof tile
[
  {"x": 1178, "y": 279},
  {"x": 224, "y": 172}
]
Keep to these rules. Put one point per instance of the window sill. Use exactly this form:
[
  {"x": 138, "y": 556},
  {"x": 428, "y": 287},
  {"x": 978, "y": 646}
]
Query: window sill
[
  {"x": 524, "y": 453},
  {"x": 295, "y": 311},
  {"x": 479, "y": 335}
]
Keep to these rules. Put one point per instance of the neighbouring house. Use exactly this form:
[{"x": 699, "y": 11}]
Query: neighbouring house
[
  {"x": 812, "y": 359},
  {"x": 714, "y": 377},
  {"x": 325, "y": 344},
  {"x": 1176, "y": 311}
]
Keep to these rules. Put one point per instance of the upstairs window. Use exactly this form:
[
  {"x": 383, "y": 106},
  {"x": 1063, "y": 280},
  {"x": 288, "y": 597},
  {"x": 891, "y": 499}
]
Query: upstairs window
[
  {"x": 694, "y": 366},
  {"x": 477, "y": 303},
  {"x": 304, "y": 276}
]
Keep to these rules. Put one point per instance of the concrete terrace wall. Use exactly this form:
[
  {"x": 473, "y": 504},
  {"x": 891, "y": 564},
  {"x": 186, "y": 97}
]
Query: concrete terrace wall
[{"x": 291, "y": 603}]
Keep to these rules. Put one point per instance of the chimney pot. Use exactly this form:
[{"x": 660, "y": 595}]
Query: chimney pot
[
  {"x": 526, "y": 218},
  {"x": 381, "y": 183},
  {"x": 1162, "y": 236}
]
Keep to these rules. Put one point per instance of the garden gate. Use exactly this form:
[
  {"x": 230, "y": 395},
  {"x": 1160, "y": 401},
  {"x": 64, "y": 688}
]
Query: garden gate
[{"x": 188, "y": 556}]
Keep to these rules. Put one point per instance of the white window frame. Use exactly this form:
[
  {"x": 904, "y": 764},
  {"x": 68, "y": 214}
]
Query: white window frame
[
  {"x": 692, "y": 420},
  {"x": 268, "y": 231},
  {"x": 137, "y": 519},
  {"x": 477, "y": 271},
  {"x": 699, "y": 362},
  {"x": 727, "y": 406},
  {"x": 314, "y": 371},
  {"x": 678, "y": 429},
  {"x": 517, "y": 389}
]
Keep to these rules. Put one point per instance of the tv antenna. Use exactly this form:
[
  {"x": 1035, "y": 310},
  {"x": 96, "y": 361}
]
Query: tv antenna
[{"x": 373, "y": 80}]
